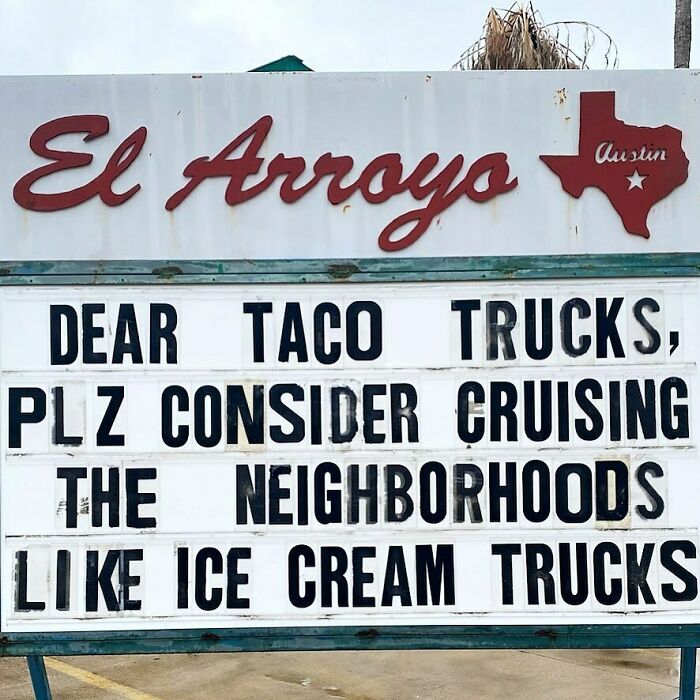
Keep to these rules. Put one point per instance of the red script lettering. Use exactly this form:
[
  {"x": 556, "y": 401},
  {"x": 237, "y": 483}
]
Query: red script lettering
[
  {"x": 381, "y": 179},
  {"x": 93, "y": 126}
]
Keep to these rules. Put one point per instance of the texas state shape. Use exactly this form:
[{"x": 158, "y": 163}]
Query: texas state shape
[{"x": 635, "y": 166}]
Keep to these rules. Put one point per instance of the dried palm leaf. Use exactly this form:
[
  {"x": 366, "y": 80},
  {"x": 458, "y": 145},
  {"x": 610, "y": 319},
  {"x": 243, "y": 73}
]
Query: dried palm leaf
[{"x": 518, "y": 39}]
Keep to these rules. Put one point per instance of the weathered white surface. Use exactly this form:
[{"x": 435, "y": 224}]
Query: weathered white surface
[
  {"x": 196, "y": 485},
  {"x": 362, "y": 115}
]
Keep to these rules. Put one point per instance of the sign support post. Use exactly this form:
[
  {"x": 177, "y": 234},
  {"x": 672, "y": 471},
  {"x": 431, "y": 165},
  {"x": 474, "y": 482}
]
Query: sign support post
[
  {"x": 40, "y": 681},
  {"x": 687, "y": 673}
]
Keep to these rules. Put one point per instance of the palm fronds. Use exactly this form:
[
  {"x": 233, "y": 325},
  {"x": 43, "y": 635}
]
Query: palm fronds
[{"x": 518, "y": 39}]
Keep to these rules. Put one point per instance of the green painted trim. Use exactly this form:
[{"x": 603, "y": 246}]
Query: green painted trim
[
  {"x": 282, "y": 65},
  {"x": 352, "y": 638},
  {"x": 389, "y": 269}
]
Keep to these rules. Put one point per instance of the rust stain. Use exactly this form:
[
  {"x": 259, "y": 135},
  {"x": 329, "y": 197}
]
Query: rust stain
[
  {"x": 167, "y": 272},
  {"x": 367, "y": 634},
  {"x": 343, "y": 271},
  {"x": 560, "y": 96}
]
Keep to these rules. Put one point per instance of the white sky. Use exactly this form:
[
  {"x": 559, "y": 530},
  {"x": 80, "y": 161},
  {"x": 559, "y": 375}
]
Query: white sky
[{"x": 201, "y": 36}]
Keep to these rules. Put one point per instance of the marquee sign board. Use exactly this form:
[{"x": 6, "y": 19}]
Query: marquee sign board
[{"x": 303, "y": 360}]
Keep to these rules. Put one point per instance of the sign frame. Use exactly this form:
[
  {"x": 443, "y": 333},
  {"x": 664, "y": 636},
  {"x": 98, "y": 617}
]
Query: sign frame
[
  {"x": 177, "y": 272},
  {"x": 35, "y": 646}
]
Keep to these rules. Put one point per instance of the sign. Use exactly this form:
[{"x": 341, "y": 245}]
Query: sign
[
  {"x": 325, "y": 455},
  {"x": 232, "y": 405},
  {"x": 290, "y": 166}
]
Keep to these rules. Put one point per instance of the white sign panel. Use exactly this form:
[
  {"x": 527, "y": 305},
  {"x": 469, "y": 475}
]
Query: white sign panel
[
  {"x": 293, "y": 166},
  {"x": 461, "y": 453}
]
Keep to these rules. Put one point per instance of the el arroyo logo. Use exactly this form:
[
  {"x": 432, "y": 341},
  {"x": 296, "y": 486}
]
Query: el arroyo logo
[{"x": 634, "y": 166}]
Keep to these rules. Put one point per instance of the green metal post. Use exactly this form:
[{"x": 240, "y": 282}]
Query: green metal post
[
  {"x": 40, "y": 681},
  {"x": 687, "y": 674}
]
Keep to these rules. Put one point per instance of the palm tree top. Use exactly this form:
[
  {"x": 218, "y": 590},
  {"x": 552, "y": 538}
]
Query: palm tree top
[{"x": 518, "y": 39}]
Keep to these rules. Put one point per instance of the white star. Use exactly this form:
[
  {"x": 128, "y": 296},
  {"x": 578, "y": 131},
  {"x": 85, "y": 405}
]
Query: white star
[{"x": 636, "y": 180}]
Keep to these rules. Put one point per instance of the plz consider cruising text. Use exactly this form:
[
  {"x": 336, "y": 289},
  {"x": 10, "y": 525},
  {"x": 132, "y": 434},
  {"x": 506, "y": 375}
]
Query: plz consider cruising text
[{"x": 289, "y": 455}]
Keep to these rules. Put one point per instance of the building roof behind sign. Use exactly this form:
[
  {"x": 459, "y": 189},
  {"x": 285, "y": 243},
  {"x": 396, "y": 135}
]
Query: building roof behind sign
[{"x": 287, "y": 63}]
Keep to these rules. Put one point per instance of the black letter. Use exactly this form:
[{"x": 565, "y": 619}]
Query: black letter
[
  {"x": 496, "y": 330},
  {"x": 292, "y": 325},
  {"x": 531, "y": 348},
  {"x": 539, "y": 572},
  {"x": 465, "y": 308},
  {"x": 258, "y": 309},
  {"x": 654, "y": 342},
  {"x": 104, "y": 432},
  {"x": 567, "y": 322},
  {"x": 374, "y": 349},
  {"x": 71, "y": 475},
  {"x": 506, "y": 552},
  {"x": 668, "y": 591},
  {"x": 435, "y": 572},
  {"x": 21, "y": 602},
  {"x": 606, "y": 328},
  {"x": 200, "y": 587},
  {"x": 134, "y": 498},
  {"x": 668, "y": 411},
  {"x": 126, "y": 325},
  {"x": 657, "y": 503},
  {"x": 183, "y": 403},
  {"x": 17, "y": 417},
  {"x": 333, "y": 313},
  {"x": 470, "y": 394},
  {"x": 164, "y": 332},
  {"x": 90, "y": 332},
  {"x": 57, "y": 312},
  {"x": 296, "y": 597}
]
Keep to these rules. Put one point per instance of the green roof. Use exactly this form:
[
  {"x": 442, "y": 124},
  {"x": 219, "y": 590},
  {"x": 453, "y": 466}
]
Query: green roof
[{"x": 288, "y": 63}]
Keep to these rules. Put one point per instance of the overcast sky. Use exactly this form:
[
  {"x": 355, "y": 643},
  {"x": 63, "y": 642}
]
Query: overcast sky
[{"x": 200, "y": 36}]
